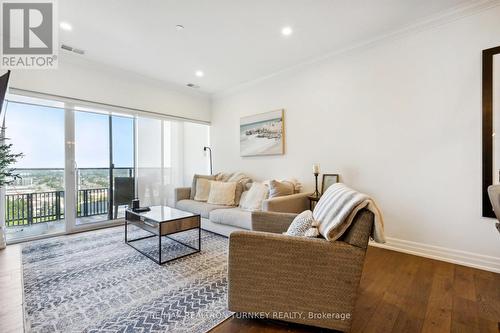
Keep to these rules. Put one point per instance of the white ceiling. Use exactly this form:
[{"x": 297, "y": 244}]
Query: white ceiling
[{"x": 232, "y": 41}]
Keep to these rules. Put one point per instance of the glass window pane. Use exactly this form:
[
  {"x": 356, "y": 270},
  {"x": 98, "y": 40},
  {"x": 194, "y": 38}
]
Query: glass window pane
[{"x": 34, "y": 204}]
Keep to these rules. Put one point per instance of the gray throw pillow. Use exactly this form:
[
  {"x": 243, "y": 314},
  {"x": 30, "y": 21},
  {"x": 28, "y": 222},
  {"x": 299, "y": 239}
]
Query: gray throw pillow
[
  {"x": 193, "y": 185},
  {"x": 279, "y": 189}
]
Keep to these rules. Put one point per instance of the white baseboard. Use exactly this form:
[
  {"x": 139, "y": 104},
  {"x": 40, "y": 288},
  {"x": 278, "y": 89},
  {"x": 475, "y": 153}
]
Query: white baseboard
[{"x": 464, "y": 258}]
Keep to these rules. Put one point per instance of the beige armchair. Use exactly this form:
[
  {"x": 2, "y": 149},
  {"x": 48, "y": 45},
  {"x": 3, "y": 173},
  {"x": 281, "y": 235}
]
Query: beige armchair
[{"x": 309, "y": 281}]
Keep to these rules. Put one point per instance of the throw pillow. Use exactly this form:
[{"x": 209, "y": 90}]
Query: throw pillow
[
  {"x": 292, "y": 182},
  {"x": 239, "y": 191},
  {"x": 243, "y": 198},
  {"x": 193, "y": 185},
  {"x": 254, "y": 197},
  {"x": 222, "y": 193},
  {"x": 202, "y": 189},
  {"x": 303, "y": 225},
  {"x": 223, "y": 176},
  {"x": 241, "y": 179},
  {"x": 297, "y": 187},
  {"x": 280, "y": 189}
]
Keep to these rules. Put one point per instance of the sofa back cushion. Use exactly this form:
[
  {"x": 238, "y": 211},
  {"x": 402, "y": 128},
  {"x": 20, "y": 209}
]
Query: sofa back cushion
[{"x": 222, "y": 193}]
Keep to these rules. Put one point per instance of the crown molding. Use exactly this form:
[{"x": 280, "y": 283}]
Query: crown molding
[{"x": 431, "y": 22}]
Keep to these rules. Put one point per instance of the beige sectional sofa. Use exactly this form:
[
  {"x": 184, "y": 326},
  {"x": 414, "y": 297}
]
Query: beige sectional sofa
[{"x": 225, "y": 219}]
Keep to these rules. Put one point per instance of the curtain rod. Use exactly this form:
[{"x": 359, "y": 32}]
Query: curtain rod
[{"x": 31, "y": 93}]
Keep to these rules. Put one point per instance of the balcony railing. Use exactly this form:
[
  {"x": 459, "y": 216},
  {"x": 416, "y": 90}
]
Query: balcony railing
[
  {"x": 92, "y": 202},
  {"x": 31, "y": 208},
  {"x": 39, "y": 207}
]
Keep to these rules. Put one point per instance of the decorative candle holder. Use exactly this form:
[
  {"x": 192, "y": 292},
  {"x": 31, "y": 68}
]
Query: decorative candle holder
[{"x": 316, "y": 192}]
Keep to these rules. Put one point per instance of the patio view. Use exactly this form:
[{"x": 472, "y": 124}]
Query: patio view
[
  {"x": 82, "y": 166},
  {"x": 38, "y": 198},
  {"x": 36, "y": 202}
]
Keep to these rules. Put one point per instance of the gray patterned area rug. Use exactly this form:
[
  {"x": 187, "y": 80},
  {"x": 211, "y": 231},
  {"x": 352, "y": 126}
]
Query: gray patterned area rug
[{"x": 94, "y": 282}]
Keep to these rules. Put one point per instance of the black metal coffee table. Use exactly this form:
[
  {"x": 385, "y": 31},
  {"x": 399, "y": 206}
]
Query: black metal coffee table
[{"x": 162, "y": 221}]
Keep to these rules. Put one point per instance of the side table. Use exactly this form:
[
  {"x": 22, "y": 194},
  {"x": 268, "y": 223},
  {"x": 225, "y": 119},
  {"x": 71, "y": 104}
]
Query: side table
[{"x": 313, "y": 200}]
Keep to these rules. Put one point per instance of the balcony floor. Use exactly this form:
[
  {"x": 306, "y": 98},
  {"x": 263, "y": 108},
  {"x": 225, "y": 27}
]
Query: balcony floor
[{"x": 27, "y": 232}]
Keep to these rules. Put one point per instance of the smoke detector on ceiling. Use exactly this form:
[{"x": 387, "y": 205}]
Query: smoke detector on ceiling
[
  {"x": 72, "y": 49},
  {"x": 192, "y": 85}
]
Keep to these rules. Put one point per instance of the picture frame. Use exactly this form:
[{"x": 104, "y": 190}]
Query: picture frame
[
  {"x": 328, "y": 180},
  {"x": 263, "y": 134}
]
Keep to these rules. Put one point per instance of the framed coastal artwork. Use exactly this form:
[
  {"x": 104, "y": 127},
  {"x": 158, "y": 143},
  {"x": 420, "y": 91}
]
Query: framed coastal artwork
[{"x": 262, "y": 134}]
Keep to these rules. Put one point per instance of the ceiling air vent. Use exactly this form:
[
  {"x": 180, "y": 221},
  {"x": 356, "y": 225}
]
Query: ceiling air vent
[
  {"x": 192, "y": 85},
  {"x": 72, "y": 49}
]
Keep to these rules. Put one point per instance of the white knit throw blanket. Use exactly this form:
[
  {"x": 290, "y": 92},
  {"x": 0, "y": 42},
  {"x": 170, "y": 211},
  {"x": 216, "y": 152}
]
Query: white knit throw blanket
[{"x": 337, "y": 208}]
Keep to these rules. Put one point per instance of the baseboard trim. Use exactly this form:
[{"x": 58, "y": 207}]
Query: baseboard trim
[{"x": 487, "y": 263}]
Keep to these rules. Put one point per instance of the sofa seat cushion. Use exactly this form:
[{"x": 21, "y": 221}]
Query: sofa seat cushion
[
  {"x": 197, "y": 207},
  {"x": 236, "y": 217}
]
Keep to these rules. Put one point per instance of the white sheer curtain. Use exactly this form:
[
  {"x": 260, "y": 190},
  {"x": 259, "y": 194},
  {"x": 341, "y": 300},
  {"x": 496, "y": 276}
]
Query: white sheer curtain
[
  {"x": 149, "y": 160},
  {"x": 168, "y": 153},
  {"x": 158, "y": 160}
]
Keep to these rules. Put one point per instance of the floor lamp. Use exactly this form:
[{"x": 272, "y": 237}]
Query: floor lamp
[{"x": 210, "y": 151}]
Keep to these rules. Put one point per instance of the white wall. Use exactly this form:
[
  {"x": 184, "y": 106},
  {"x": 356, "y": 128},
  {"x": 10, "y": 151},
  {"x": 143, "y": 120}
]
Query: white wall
[
  {"x": 90, "y": 81},
  {"x": 196, "y": 161},
  {"x": 400, "y": 121}
]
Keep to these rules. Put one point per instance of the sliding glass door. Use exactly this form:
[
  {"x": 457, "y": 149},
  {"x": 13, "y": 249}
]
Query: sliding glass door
[
  {"x": 104, "y": 167},
  {"x": 92, "y": 167},
  {"x": 122, "y": 164},
  {"x": 34, "y": 202},
  {"x": 82, "y": 165}
]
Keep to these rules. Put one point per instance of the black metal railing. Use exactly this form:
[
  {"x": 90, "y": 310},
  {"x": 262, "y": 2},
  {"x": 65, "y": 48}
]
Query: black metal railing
[
  {"x": 32, "y": 208},
  {"x": 92, "y": 202},
  {"x": 40, "y": 207}
]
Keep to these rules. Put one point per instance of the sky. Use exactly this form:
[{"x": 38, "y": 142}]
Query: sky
[{"x": 38, "y": 133}]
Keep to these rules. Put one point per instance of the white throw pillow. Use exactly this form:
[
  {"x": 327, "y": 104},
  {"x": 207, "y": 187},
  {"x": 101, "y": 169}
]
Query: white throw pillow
[
  {"x": 202, "y": 189},
  {"x": 252, "y": 199},
  {"x": 222, "y": 193},
  {"x": 303, "y": 225}
]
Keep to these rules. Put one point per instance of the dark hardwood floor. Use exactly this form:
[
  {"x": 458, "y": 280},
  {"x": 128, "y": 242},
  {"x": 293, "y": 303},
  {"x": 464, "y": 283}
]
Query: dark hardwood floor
[
  {"x": 399, "y": 293},
  {"x": 405, "y": 293}
]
